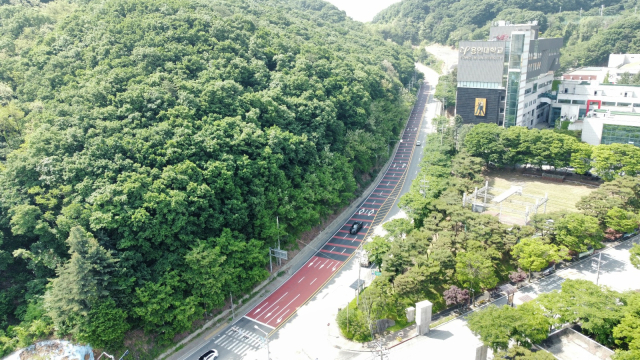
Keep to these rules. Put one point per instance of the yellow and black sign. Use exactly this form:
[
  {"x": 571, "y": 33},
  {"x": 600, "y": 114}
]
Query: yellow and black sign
[{"x": 481, "y": 107}]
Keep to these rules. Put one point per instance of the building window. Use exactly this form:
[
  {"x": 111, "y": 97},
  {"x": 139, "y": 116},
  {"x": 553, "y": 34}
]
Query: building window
[
  {"x": 608, "y": 103},
  {"x": 501, "y": 97},
  {"x": 620, "y": 134},
  {"x": 636, "y": 105},
  {"x": 579, "y": 102},
  {"x": 501, "y": 110},
  {"x": 621, "y": 104},
  {"x": 564, "y": 101}
]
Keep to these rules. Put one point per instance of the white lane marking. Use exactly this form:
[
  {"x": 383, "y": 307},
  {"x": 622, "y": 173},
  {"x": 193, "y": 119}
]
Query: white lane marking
[
  {"x": 312, "y": 263},
  {"x": 286, "y": 306},
  {"x": 343, "y": 250},
  {"x": 314, "y": 280},
  {"x": 273, "y": 303},
  {"x": 332, "y": 250},
  {"x": 265, "y": 304},
  {"x": 300, "y": 280},
  {"x": 269, "y": 314},
  {"x": 280, "y": 318}
]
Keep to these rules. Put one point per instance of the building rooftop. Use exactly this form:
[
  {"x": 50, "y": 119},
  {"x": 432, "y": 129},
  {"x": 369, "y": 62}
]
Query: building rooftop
[{"x": 600, "y": 113}]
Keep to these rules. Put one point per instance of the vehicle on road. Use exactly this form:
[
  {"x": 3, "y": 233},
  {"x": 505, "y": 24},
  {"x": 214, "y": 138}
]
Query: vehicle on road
[
  {"x": 548, "y": 271},
  {"x": 355, "y": 227},
  {"x": 418, "y": 143},
  {"x": 209, "y": 355},
  {"x": 583, "y": 255}
]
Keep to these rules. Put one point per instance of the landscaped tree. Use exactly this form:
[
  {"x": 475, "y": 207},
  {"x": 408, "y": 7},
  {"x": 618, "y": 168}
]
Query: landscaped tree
[
  {"x": 634, "y": 256},
  {"x": 615, "y": 160},
  {"x": 627, "y": 333},
  {"x": 522, "y": 353},
  {"x": 534, "y": 254},
  {"x": 475, "y": 270},
  {"x": 484, "y": 142},
  {"x": 598, "y": 310},
  {"x": 581, "y": 157},
  {"x": 455, "y": 296},
  {"x": 376, "y": 249},
  {"x": 518, "y": 276},
  {"x": 494, "y": 325},
  {"x": 621, "y": 220},
  {"x": 577, "y": 232}
]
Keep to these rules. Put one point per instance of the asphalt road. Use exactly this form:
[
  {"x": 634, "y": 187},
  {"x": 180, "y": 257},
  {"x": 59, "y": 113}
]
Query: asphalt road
[{"x": 248, "y": 333}]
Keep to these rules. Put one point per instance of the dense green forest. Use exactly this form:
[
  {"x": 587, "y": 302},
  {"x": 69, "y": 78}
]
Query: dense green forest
[
  {"x": 589, "y": 38},
  {"x": 148, "y": 146}
]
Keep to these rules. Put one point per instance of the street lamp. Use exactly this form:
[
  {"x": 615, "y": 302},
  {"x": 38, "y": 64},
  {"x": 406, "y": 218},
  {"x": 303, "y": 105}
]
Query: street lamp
[{"x": 266, "y": 338}]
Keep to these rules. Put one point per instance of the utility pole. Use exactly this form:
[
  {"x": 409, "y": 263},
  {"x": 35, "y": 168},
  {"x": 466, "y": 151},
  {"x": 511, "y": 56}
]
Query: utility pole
[
  {"x": 266, "y": 339},
  {"x": 278, "y": 228},
  {"x": 359, "y": 259},
  {"x": 233, "y": 313},
  {"x": 598, "y": 276},
  {"x": 601, "y": 10}
]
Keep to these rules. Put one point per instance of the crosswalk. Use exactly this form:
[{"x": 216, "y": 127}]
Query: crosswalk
[{"x": 238, "y": 341}]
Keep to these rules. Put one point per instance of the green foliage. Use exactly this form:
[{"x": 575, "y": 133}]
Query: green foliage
[
  {"x": 84, "y": 280},
  {"x": 446, "y": 88},
  {"x": 577, "y": 232},
  {"x": 634, "y": 256},
  {"x": 522, "y": 353},
  {"x": 175, "y": 132},
  {"x": 621, "y": 220},
  {"x": 376, "y": 249},
  {"x": 581, "y": 301},
  {"x": 475, "y": 270},
  {"x": 534, "y": 254},
  {"x": 497, "y": 326},
  {"x": 106, "y": 325},
  {"x": 614, "y": 160}
]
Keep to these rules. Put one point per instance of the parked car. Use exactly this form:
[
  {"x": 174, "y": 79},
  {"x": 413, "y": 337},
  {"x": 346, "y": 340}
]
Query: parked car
[
  {"x": 209, "y": 355},
  {"x": 548, "y": 271},
  {"x": 355, "y": 227},
  {"x": 418, "y": 143},
  {"x": 583, "y": 255}
]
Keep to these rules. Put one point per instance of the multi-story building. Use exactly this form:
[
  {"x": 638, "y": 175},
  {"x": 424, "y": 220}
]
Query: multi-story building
[
  {"x": 500, "y": 79},
  {"x": 576, "y": 98},
  {"x": 608, "y": 127}
]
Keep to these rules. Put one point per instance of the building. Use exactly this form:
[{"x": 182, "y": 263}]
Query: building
[
  {"x": 500, "y": 80},
  {"x": 576, "y": 98},
  {"x": 609, "y": 127}
]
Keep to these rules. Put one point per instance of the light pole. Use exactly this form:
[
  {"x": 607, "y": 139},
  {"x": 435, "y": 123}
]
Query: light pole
[
  {"x": 266, "y": 338},
  {"x": 598, "y": 275}
]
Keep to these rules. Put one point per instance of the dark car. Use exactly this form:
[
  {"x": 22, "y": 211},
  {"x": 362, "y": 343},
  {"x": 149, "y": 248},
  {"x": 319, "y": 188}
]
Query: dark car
[
  {"x": 548, "y": 271},
  {"x": 355, "y": 227},
  {"x": 209, "y": 355}
]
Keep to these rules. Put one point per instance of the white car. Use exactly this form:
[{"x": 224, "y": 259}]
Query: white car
[
  {"x": 209, "y": 355},
  {"x": 418, "y": 143}
]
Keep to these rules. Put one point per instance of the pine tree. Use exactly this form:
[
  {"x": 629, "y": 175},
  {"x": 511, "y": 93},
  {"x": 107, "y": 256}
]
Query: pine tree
[{"x": 82, "y": 281}]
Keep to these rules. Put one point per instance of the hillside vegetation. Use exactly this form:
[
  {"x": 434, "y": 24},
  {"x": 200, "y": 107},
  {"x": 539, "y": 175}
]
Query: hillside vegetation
[
  {"x": 148, "y": 147},
  {"x": 588, "y": 37}
]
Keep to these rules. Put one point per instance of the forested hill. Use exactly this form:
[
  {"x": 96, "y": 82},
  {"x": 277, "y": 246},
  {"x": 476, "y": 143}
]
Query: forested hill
[
  {"x": 449, "y": 21},
  {"x": 149, "y": 145}
]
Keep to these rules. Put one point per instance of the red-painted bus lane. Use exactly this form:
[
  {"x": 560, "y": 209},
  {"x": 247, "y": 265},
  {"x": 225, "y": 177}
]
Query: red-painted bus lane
[{"x": 282, "y": 303}]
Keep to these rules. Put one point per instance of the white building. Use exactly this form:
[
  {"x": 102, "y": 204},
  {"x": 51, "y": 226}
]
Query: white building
[
  {"x": 575, "y": 98},
  {"x": 608, "y": 127}
]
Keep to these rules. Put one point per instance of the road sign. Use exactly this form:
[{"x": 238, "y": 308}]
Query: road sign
[
  {"x": 280, "y": 254},
  {"x": 377, "y": 273}
]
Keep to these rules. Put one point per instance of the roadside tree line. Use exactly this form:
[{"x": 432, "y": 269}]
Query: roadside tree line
[{"x": 518, "y": 145}]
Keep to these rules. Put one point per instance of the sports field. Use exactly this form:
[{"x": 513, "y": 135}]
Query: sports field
[{"x": 562, "y": 196}]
